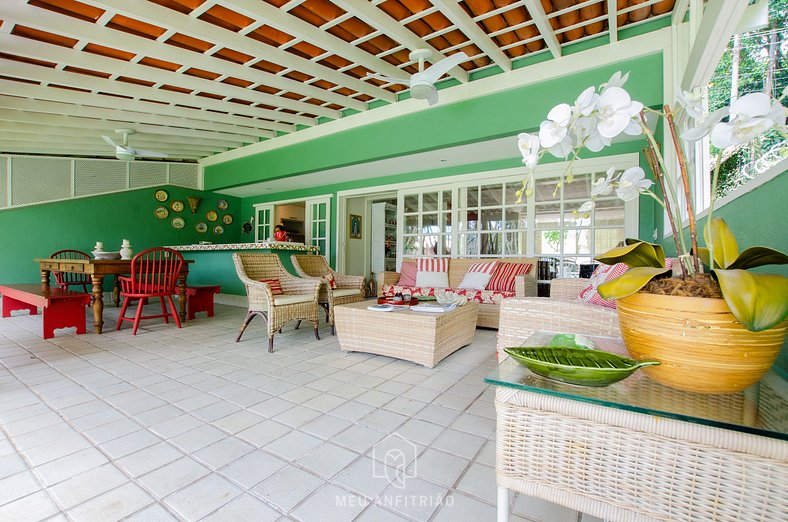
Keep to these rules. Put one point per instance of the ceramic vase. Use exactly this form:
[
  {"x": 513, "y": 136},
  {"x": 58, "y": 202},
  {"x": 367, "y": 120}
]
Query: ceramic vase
[{"x": 125, "y": 250}]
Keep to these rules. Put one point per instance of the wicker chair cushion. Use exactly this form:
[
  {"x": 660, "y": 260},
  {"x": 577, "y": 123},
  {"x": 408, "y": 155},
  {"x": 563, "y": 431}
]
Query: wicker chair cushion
[
  {"x": 331, "y": 280},
  {"x": 292, "y": 299},
  {"x": 276, "y": 287},
  {"x": 346, "y": 292},
  {"x": 407, "y": 276}
]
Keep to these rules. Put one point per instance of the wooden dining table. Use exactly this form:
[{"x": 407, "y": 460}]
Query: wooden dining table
[{"x": 98, "y": 269}]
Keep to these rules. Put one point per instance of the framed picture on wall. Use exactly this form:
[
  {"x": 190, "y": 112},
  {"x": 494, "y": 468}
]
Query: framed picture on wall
[{"x": 354, "y": 228}]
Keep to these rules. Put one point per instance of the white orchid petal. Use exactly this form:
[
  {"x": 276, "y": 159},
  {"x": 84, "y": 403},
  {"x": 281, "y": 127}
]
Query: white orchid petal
[
  {"x": 613, "y": 125},
  {"x": 561, "y": 114},
  {"x": 722, "y": 135},
  {"x": 753, "y": 105},
  {"x": 633, "y": 128},
  {"x": 695, "y": 133}
]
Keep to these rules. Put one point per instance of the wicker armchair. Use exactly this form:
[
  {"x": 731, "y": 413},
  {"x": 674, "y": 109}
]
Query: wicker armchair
[
  {"x": 521, "y": 317},
  {"x": 349, "y": 289},
  {"x": 299, "y": 301}
]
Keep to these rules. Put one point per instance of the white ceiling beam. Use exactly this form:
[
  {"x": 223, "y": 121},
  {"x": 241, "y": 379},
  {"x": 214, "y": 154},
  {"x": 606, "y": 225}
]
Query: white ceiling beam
[
  {"x": 203, "y": 120},
  {"x": 95, "y": 33},
  {"x": 457, "y": 15},
  {"x": 612, "y": 20},
  {"x": 381, "y": 21},
  {"x": 679, "y": 10},
  {"x": 719, "y": 22},
  {"x": 92, "y": 83},
  {"x": 164, "y": 17},
  {"x": 293, "y": 25},
  {"x": 539, "y": 17},
  {"x": 66, "y": 150},
  {"x": 99, "y": 127},
  {"x": 54, "y": 53},
  {"x": 18, "y": 138}
]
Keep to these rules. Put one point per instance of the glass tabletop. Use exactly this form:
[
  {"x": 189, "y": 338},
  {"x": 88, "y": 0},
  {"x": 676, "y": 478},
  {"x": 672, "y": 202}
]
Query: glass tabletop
[{"x": 761, "y": 409}]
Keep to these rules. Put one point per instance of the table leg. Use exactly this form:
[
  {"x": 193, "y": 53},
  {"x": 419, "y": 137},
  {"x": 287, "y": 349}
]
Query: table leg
[
  {"x": 182, "y": 297},
  {"x": 116, "y": 292},
  {"x": 45, "y": 278},
  {"x": 503, "y": 504},
  {"x": 98, "y": 302}
]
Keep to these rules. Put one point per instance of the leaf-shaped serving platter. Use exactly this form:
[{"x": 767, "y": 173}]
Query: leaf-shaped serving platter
[{"x": 576, "y": 365}]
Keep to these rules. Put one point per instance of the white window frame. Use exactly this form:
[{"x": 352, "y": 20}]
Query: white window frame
[
  {"x": 307, "y": 217},
  {"x": 258, "y": 208},
  {"x": 308, "y": 222}
]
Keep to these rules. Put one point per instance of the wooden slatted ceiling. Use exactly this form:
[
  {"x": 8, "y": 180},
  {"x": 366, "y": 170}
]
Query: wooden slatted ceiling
[{"x": 261, "y": 67}]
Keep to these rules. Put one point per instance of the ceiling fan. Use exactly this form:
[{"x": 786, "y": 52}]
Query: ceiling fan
[
  {"x": 125, "y": 153},
  {"x": 422, "y": 83}
]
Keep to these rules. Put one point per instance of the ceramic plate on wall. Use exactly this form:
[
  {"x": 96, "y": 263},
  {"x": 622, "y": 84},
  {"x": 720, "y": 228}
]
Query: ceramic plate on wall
[
  {"x": 161, "y": 195},
  {"x": 201, "y": 227},
  {"x": 222, "y": 204},
  {"x": 218, "y": 230},
  {"x": 177, "y": 206},
  {"x": 161, "y": 212},
  {"x": 227, "y": 219},
  {"x": 178, "y": 223},
  {"x": 211, "y": 215}
]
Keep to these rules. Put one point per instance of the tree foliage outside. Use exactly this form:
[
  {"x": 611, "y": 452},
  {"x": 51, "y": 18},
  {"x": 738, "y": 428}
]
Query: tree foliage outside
[{"x": 762, "y": 67}]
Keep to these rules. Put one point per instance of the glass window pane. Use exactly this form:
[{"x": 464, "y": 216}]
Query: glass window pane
[
  {"x": 492, "y": 195},
  {"x": 548, "y": 215},
  {"x": 573, "y": 219},
  {"x": 491, "y": 219},
  {"x": 412, "y": 224},
  {"x": 314, "y": 212},
  {"x": 514, "y": 243},
  {"x": 446, "y": 240},
  {"x": 429, "y": 202},
  {"x": 446, "y": 200},
  {"x": 511, "y": 193},
  {"x": 470, "y": 221},
  {"x": 429, "y": 245},
  {"x": 609, "y": 212},
  {"x": 412, "y": 203},
  {"x": 429, "y": 223},
  {"x": 579, "y": 188},
  {"x": 491, "y": 244},
  {"x": 321, "y": 211},
  {"x": 471, "y": 197},
  {"x": 516, "y": 219},
  {"x": 321, "y": 229},
  {"x": 445, "y": 225},
  {"x": 577, "y": 241},
  {"x": 607, "y": 238},
  {"x": 570, "y": 267},
  {"x": 545, "y": 188},
  {"x": 548, "y": 242},
  {"x": 410, "y": 246},
  {"x": 470, "y": 244}
]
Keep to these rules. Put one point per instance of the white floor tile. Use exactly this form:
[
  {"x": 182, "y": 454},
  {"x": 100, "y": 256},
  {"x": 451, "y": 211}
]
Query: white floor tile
[
  {"x": 174, "y": 476},
  {"x": 287, "y": 487},
  {"x": 203, "y": 497}
]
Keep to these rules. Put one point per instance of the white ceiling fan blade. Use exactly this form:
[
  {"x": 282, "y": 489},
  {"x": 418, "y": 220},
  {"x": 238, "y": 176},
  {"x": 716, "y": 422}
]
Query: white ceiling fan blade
[
  {"x": 442, "y": 67},
  {"x": 386, "y": 79},
  {"x": 148, "y": 153},
  {"x": 433, "y": 99},
  {"x": 110, "y": 142}
]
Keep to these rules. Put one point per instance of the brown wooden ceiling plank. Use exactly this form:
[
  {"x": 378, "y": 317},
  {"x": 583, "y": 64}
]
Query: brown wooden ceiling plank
[
  {"x": 308, "y": 16},
  {"x": 358, "y": 71},
  {"x": 20, "y": 80},
  {"x": 200, "y": 73},
  {"x": 135, "y": 81},
  {"x": 43, "y": 36},
  {"x": 344, "y": 91},
  {"x": 25, "y": 59},
  {"x": 109, "y": 52},
  {"x": 182, "y": 6},
  {"x": 298, "y": 76},
  {"x": 266, "y": 107},
  {"x": 232, "y": 55},
  {"x": 270, "y": 36},
  {"x": 240, "y": 101},
  {"x": 519, "y": 16},
  {"x": 364, "y": 98},
  {"x": 590, "y": 12},
  {"x": 267, "y": 89},
  {"x": 136, "y": 27},
  {"x": 159, "y": 64},
  {"x": 175, "y": 88},
  {"x": 399, "y": 12},
  {"x": 112, "y": 94},
  {"x": 305, "y": 50},
  {"x": 70, "y": 8},
  {"x": 569, "y": 19},
  {"x": 277, "y": 3},
  {"x": 226, "y": 18},
  {"x": 325, "y": 9},
  {"x": 210, "y": 95},
  {"x": 324, "y": 84},
  {"x": 265, "y": 65},
  {"x": 237, "y": 82},
  {"x": 189, "y": 43},
  {"x": 335, "y": 107},
  {"x": 639, "y": 14},
  {"x": 315, "y": 101},
  {"x": 622, "y": 18},
  {"x": 86, "y": 72},
  {"x": 492, "y": 24},
  {"x": 341, "y": 32},
  {"x": 662, "y": 7}
]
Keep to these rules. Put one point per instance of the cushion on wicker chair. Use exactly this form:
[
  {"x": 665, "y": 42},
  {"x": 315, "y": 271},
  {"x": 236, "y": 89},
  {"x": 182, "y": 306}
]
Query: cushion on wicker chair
[
  {"x": 331, "y": 280},
  {"x": 276, "y": 287},
  {"x": 602, "y": 274},
  {"x": 345, "y": 292},
  {"x": 292, "y": 299}
]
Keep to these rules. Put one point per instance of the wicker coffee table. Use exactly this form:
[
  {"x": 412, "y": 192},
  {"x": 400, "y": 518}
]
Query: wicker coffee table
[{"x": 420, "y": 337}]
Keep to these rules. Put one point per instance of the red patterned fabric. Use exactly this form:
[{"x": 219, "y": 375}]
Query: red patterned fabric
[
  {"x": 433, "y": 264},
  {"x": 276, "y": 287},
  {"x": 487, "y": 267},
  {"x": 480, "y": 296},
  {"x": 503, "y": 277},
  {"x": 332, "y": 282},
  {"x": 602, "y": 274},
  {"x": 407, "y": 274}
]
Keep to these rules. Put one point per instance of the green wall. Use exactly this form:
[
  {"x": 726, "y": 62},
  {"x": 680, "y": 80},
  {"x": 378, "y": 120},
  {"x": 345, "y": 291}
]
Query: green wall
[{"x": 39, "y": 230}]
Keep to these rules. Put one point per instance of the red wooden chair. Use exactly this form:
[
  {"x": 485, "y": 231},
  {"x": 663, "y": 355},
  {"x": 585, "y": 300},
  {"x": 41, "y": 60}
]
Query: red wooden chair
[
  {"x": 65, "y": 280},
  {"x": 154, "y": 273}
]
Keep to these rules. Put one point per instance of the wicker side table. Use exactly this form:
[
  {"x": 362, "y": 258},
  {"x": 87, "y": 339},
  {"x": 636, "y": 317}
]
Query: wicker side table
[{"x": 640, "y": 451}]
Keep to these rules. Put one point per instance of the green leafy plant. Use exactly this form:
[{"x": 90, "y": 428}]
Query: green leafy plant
[{"x": 759, "y": 301}]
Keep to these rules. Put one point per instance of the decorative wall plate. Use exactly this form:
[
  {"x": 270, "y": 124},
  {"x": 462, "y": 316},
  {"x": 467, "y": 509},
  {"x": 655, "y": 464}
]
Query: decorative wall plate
[
  {"x": 161, "y": 212},
  {"x": 227, "y": 219},
  {"x": 218, "y": 230},
  {"x": 211, "y": 215},
  {"x": 177, "y": 206},
  {"x": 222, "y": 204},
  {"x": 201, "y": 227},
  {"x": 161, "y": 195},
  {"x": 178, "y": 223}
]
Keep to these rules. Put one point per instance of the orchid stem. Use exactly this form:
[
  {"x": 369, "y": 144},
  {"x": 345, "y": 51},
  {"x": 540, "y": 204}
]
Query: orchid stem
[{"x": 712, "y": 199}]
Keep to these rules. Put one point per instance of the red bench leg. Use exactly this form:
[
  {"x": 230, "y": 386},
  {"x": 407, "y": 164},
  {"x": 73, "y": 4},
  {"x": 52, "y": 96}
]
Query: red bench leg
[
  {"x": 201, "y": 300},
  {"x": 10, "y": 304},
  {"x": 64, "y": 313}
]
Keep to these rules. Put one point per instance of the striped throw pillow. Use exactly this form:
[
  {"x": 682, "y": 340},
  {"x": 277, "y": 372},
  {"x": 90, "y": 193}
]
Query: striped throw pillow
[
  {"x": 602, "y": 274},
  {"x": 486, "y": 267},
  {"x": 504, "y": 274},
  {"x": 276, "y": 287},
  {"x": 432, "y": 264}
]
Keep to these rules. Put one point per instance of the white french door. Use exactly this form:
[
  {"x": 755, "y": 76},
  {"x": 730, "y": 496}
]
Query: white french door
[
  {"x": 318, "y": 212},
  {"x": 263, "y": 230}
]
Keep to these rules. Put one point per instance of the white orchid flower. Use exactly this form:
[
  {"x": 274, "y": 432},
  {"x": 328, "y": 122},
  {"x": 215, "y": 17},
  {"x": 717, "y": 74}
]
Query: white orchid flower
[
  {"x": 586, "y": 102},
  {"x": 603, "y": 186},
  {"x": 529, "y": 148},
  {"x": 617, "y": 80},
  {"x": 704, "y": 124},
  {"x": 585, "y": 209},
  {"x": 563, "y": 148},
  {"x": 615, "y": 110},
  {"x": 751, "y": 115},
  {"x": 692, "y": 103},
  {"x": 632, "y": 182},
  {"x": 555, "y": 128}
]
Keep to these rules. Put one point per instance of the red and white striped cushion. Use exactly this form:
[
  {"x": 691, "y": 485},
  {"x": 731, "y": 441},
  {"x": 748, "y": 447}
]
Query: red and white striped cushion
[
  {"x": 487, "y": 267},
  {"x": 504, "y": 274},
  {"x": 602, "y": 274},
  {"x": 276, "y": 287},
  {"x": 433, "y": 264}
]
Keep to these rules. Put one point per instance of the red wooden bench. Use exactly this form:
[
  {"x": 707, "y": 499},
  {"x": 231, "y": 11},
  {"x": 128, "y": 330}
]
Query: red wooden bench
[
  {"x": 62, "y": 308},
  {"x": 200, "y": 299}
]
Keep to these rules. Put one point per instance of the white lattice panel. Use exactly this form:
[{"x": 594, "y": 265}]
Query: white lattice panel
[
  {"x": 146, "y": 174},
  {"x": 3, "y": 181},
  {"x": 36, "y": 179},
  {"x": 98, "y": 176},
  {"x": 183, "y": 174}
]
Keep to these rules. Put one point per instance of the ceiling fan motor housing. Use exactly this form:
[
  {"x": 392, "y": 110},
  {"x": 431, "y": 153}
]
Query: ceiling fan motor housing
[{"x": 421, "y": 88}]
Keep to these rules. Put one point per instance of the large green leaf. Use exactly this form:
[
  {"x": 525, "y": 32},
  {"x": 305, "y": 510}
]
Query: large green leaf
[
  {"x": 630, "y": 282},
  {"x": 635, "y": 254},
  {"x": 726, "y": 249},
  {"x": 703, "y": 254},
  {"x": 758, "y": 256},
  {"x": 758, "y": 301}
]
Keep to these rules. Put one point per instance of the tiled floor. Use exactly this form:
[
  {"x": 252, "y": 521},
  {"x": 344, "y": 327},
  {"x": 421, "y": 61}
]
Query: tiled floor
[{"x": 188, "y": 425}]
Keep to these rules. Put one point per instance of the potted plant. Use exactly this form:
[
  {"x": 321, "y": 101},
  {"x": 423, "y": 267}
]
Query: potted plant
[{"x": 715, "y": 331}]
